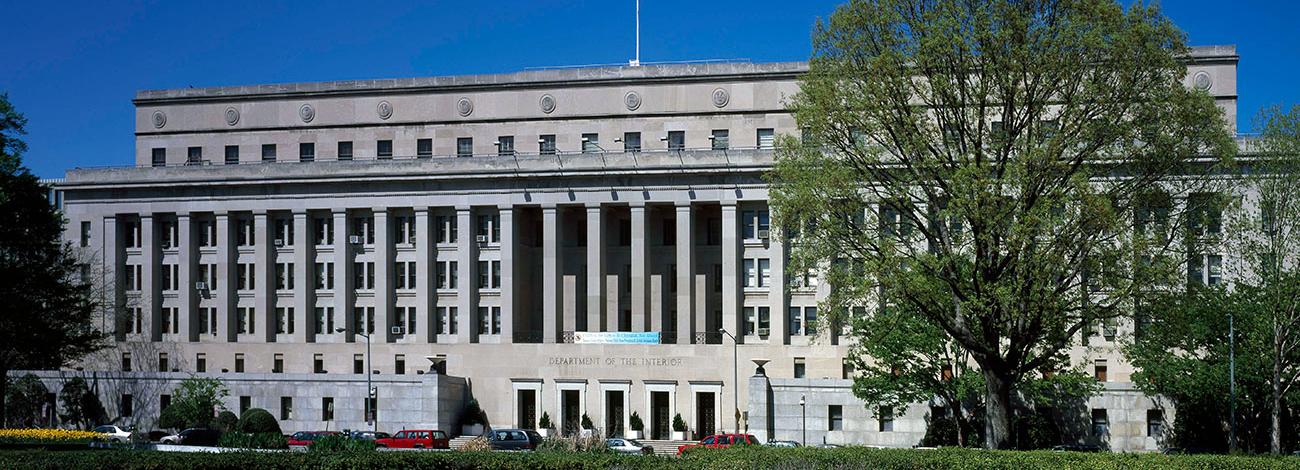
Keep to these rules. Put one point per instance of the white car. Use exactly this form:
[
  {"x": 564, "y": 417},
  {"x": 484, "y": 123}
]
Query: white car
[
  {"x": 114, "y": 433},
  {"x": 170, "y": 439},
  {"x": 627, "y": 446}
]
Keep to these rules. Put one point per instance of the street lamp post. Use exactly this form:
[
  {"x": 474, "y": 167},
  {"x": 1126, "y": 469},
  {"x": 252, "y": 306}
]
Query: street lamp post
[
  {"x": 735, "y": 376},
  {"x": 371, "y": 413},
  {"x": 803, "y": 415}
]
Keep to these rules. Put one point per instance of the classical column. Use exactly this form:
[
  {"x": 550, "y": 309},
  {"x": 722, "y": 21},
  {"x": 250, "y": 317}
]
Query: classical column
[
  {"x": 383, "y": 259},
  {"x": 113, "y": 278},
  {"x": 595, "y": 268},
  {"x": 304, "y": 273},
  {"x": 264, "y": 264},
  {"x": 467, "y": 288},
  {"x": 225, "y": 291},
  {"x": 776, "y": 292},
  {"x": 640, "y": 255},
  {"x": 344, "y": 290},
  {"x": 731, "y": 252},
  {"x": 685, "y": 273},
  {"x": 150, "y": 291},
  {"x": 188, "y": 252},
  {"x": 426, "y": 326},
  {"x": 552, "y": 324},
  {"x": 508, "y": 237}
]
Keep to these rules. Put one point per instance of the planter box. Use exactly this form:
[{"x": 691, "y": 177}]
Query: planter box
[
  {"x": 634, "y": 434},
  {"x": 679, "y": 435}
]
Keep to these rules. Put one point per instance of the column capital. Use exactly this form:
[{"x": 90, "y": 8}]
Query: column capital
[
  {"x": 729, "y": 205},
  {"x": 145, "y": 215},
  {"x": 261, "y": 213},
  {"x": 299, "y": 214},
  {"x": 339, "y": 211},
  {"x": 682, "y": 205},
  {"x": 505, "y": 206},
  {"x": 593, "y": 206},
  {"x": 379, "y": 210},
  {"x": 221, "y": 214},
  {"x": 460, "y": 209},
  {"x": 182, "y": 215}
]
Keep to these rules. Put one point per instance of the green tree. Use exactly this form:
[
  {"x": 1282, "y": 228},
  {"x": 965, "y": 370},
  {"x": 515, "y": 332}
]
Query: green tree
[
  {"x": 195, "y": 403},
  {"x": 257, "y": 420},
  {"x": 956, "y": 158},
  {"x": 48, "y": 306},
  {"x": 81, "y": 407},
  {"x": 25, "y": 402}
]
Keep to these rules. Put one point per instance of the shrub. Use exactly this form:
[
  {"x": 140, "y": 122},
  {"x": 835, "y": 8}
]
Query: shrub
[
  {"x": 477, "y": 444},
  {"x": 635, "y": 422},
  {"x": 545, "y": 422},
  {"x": 679, "y": 424},
  {"x": 257, "y": 420},
  {"x": 259, "y": 440},
  {"x": 42, "y": 436},
  {"x": 226, "y": 421},
  {"x": 589, "y": 444},
  {"x": 340, "y": 443},
  {"x": 170, "y": 419}
]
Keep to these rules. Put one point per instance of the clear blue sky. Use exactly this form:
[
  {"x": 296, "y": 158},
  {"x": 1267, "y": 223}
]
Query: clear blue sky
[{"x": 73, "y": 67}]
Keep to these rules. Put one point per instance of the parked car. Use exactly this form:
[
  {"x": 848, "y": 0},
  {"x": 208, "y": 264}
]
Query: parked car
[
  {"x": 114, "y": 433},
  {"x": 170, "y": 439},
  {"x": 627, "y": 446},
  {"x": 786, "y": 444},
  {"x": 368, "y": 435},
  {"x": 720, "y": 441},
  {"x": 513, "y": 439},
  {"x": 305, "y": 438},
  {"x": 198, "y": 437},
  {"x": 415, "y": 439}
]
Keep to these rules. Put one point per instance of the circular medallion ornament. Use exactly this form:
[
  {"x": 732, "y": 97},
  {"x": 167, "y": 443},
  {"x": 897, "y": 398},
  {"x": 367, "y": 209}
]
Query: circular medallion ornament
[
  {"x": 720, "y": 97},
  {"x": 465, "y": 107},
  {"x": 1202, "y": 81},
  {"x": 159, "y": 119},
  {"x": 547, "y": 103},
  {"x": 232, "y": 116},
  {"x": 385, "y": 110},
  {"x": 632, "y": 100},
  {"x": 307, "y": 113}
]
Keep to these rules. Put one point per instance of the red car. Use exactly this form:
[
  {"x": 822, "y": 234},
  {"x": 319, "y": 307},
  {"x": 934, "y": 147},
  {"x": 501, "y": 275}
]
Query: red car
[
  {"x": 305, "y": 438},
  {"x": 720, "y": 441},
  {"x": 416, "y": 439}
]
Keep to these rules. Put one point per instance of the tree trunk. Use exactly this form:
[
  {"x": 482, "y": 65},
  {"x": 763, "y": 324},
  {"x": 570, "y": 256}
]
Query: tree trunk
[
  {"x": 997, "y": 409},
  {"x": 1275, "y": 433},
  {"x": 961, "y": 422}
]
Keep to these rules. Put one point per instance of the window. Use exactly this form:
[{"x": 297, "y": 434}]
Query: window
[
  {"x": 755, "y": 224},
  {"x": 847, "y": 369},
  {"x": 489, "y": 320},
  {"x": 489, "y": 274},
  {"x": 405, "y": 230},
  {"x": 632, "y": 142},
  {"x": 406, "y": 319},
  {"x": 445, "y": 277},
  {"x": 1100, "y": 422},
  {"x": 1206, "y": 214},
  {"x": 327, "y": 409},
  {"x": 363, "y": 275},
  {"x": 239, "y": 363},
  {"x": 835, "y": 418},
  {"x": 200, "y": 363},
  {"x": 126, "y": 362},
  {"x": 324, "y": 231},
  {"x": 194, "y": 156},
  {"x": 802, "y": 321},
  {"x": 358, "y": 364},
  {"x": 800, "y": 368},
  {"x": 284, "y": 276},
  {"x": 232, "y": 154},
  {"x": 244, "y": 276},
  {"x": 447, "y": 320},
  {"x": 676, "y": 140},
  {"x": 1204, "y": 270},
  {"x": 208, "y": 320},
  {"x": 364, "y": 229},
  {"x": 363, "y": 316},
  {"x": 424, "y": 148},
  {"x": 170, "y": 277},
  {"x": 127, "y": 406},
  {"x": 324, "y": 276},
  {"x": 318, "y": 363},
  {"x": 720, "y": 138},
  {"x": 85, "y": 234},
  {"x": 446, "y": 228},
  {"x": 766, "y": 139},
  {"x": 590, "y": 143},
  {"x": 244, "y": 229},
  {"x": 170, "y": 234},
  {"x": 207, "y": 233},
  {"x": 885, "y": 418},
  {"x": 405, "y": 274},
  {"x": 133, "y": 277},
  {"x": 286, "y": 408},
  {"x": 277, "y": 363},
  {"x": 284, "y": 320},
  {"x": 268, "y": 153},
  {"x": 384, "y": 150},
  {"x": 751, "y": 273},
  {"x": 245, "y": 402},
  {"x": 546, "y": 144},
  {"x": 284, "y": 232},
  {"x": 306, "y": 152},
  {"x": 345, "y": 150},
  {"x": 489, "y": 228},
  {"x": 1099, "y": 370},
  {"x": 505, "y": 145},
  {"x": 162, "y": 362},
  {"x": 245, "y": 320},
  {"x": 464, "y": 146},
  {"x": 1155, "y": 423},
  {"x": 137, "y": 314},
  {"x": 758, "y": 272},
  {"x": 324, "y": 320},
  {"x": 399, "y": 364},
  {"x": 159, "y": 157}
]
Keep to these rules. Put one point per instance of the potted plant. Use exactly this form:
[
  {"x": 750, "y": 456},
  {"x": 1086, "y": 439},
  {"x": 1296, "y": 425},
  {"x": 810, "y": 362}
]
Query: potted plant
[
  {"x": 472, "y": 419},
  {"x": 637, "y": 426},
  {"x": 588, "y": 429},
  {"x": 679, "y": 428},
  {"x": 544, "y": 426}
]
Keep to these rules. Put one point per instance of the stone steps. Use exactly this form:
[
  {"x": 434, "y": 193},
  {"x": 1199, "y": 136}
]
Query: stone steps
[
  {"x": 665, "y": 447},
  {"x": 458, "y": 442}
]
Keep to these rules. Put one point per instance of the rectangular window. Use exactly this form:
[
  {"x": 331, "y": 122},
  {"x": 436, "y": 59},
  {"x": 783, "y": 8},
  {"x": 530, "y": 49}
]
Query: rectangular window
[
  {"x": 245, "y": 319},
  {"x": 847, "y": 369},
  {"x": 245, "y": 402},
  {"x": 1099, "y": 370},
  {"x": 800, "y": 368},
  {"x": 364, "y": 229},
  {"x": 764, "y": 272},
  {"x": 127, "y": 407},
  {"x": 207, "y": 233},
  {"x": 126, "y": 362},
  {"x": 239, "y": 363},
  {"x": 277, "y": 363},
  {"x": 200, "y": 363},
  {"x": 1100, "y": 422},
  {"x": 721, "y": 139},
  {"x": 345, "y": 150},
  {"x": 632, "y": 142},
  {"x": 159, "y": 157},
  {"x": 751, "y": 273},
  {"x": 244, "y": 232},
  {"x": 85, "y": 234},
  {"x": 405, "y": 230},
  {"x": 1155, "y": 423},
  {"x": 446, "y": 228},
  {"x": 284, "y": 276},
  {"x": 484, "y": 275},
  {"x": 163, "y": 362},
  {"x": 505, "y": 145},
  {"x": 318, "y": 363},
  {"x": 232, "y": 154},
  {"x": 489, "y": 228},
  {"x": 286, "y": 408},
  {"x": 464, "y": 146},
  {"x": 676, "y": 140},
  {"x": 327, "y": 409},
  {"x": 194, "y": 156},
  {"x": 483, "y": 321},
  {"x": 323, "y": 231},
  {"x": 324, "y": 276},
  {"x": 835, "y": 418},
  {"x": 399, "y": 364},
  {"x": 307, "y": 152},
  {"x": 384, "y": 150},
  {"x": 750, "y": 320},
  {"x": 766, "y": 139},
  {"x": 358, "y": 364},
  {"x": 424, "y": 148},
  {"x": 324, "y": 320},
  {"x": 268, "y": 153},
  {"x": 284, "y": 320},
  {"x": 885, "y": 418},
  {"x": 590, "y": 143},
  {"x": 546, "y": 144}
]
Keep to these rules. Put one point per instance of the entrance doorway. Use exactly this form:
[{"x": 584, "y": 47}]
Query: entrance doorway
[
  {"x": 705, "y": 411},
  {"x": 659, "y": 418},
  {"x": 570, "y": 411},
  {"x": 613, "y": 413},
  {"x": 527, "y": 406}
]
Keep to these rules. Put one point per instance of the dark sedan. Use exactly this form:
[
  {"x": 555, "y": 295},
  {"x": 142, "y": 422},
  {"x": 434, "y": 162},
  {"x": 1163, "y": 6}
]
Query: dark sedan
[{"x": 514, "y": 439}]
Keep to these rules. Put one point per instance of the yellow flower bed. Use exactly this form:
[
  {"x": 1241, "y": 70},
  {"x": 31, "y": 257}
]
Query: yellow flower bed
[{"x": 48, "y": 435}]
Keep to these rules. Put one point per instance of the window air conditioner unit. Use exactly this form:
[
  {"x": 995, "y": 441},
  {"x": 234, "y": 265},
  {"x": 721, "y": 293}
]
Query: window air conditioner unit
[
  {"x": 480, "y": 238},
  {"x": 279, "y": 242},
  {"x": 354, "y": 239},
  {"x": 763, "y": 331},
  {"x": 397, "y": 330},
  {"x": 764, "y": 234},
  {"x": 200, "y": 285}
]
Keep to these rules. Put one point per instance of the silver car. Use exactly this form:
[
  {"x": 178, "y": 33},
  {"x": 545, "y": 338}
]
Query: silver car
[{"x": 627, "y": 446}]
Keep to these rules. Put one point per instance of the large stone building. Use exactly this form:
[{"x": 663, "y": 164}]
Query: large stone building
[{"x": 479, "y": 229}]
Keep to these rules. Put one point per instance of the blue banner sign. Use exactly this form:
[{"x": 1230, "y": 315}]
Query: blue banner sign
[{"x": 616, "y": 337}]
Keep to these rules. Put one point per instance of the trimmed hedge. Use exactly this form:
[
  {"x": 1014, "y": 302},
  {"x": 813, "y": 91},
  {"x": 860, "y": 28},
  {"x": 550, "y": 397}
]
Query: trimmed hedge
[
  {"x": 751, "y": 457},
  {"x": 257, "y": 420}
]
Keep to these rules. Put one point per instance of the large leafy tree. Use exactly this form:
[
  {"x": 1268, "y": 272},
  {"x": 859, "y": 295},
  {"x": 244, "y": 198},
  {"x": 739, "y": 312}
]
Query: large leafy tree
[
  {"x": 46, "y": 320},
  {"x": 195, "y": 404},
  {"x": 81, "y": 406},
  {"x": 981, "y": 163}
]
